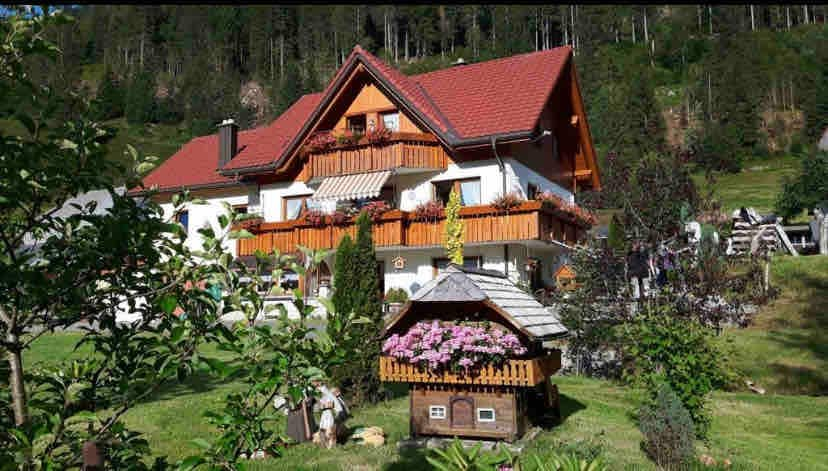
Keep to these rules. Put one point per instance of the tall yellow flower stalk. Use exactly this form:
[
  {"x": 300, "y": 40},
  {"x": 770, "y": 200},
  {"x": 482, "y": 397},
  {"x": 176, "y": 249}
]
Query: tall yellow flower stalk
[{"x": 453, "y": 241}]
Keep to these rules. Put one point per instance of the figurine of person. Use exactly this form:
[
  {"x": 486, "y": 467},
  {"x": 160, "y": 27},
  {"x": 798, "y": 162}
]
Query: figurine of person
[{"x": 334, "y": 413}]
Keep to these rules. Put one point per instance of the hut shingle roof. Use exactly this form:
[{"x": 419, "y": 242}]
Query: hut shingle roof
[{"x": 458, "y": 284}]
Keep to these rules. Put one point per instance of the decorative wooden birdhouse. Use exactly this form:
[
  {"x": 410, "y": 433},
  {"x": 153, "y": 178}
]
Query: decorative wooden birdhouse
[
  {"x": 563, "y": 273},
  {"x": 475, "y": 351}
]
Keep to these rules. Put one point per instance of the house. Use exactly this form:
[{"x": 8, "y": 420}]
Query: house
[
  {"x": 510, "y": 125},
  {"x": 498, "y": 401}
]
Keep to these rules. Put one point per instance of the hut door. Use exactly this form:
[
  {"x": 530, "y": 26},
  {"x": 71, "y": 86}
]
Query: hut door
[{"x": 462, "y": 412}]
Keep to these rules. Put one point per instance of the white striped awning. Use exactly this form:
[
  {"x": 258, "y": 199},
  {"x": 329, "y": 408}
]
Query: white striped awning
[{"x": 351, "y": 187}]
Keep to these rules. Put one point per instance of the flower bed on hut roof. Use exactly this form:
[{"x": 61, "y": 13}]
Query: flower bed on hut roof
[{"x": 458, "y": 347}]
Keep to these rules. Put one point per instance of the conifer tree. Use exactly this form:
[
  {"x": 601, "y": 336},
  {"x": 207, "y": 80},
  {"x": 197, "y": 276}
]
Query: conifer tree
[
  {"x": 454, "y": 229},
  {"x": 343, "y": 279},
  {"x": 358, "y": 375},
  {"x": 816, "y": 109},
  {"x": 140, "y": 99},
  {"x": 109, "y": 102}
]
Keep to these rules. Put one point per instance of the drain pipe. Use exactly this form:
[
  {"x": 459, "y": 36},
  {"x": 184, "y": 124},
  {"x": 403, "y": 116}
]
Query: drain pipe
[
  {"x": 503, "y": 192},
  {"x": 499, "y": 164}
]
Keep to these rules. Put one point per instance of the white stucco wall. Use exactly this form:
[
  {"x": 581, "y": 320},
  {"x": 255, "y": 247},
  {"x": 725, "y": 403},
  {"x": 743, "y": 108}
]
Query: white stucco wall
[
  {"x": 419, "y": 268},
  {"x": 522, "y": 175},
  {"x": 201, "y": 214},
  {"x": 414, "y": 189}
]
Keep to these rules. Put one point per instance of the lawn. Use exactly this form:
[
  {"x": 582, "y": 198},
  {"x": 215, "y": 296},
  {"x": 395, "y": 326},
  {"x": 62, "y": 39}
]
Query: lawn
[
  {"x": 785, "y": 350},
  {"x": 755, "y": 432},
  {"x": 756, "y": 185}
]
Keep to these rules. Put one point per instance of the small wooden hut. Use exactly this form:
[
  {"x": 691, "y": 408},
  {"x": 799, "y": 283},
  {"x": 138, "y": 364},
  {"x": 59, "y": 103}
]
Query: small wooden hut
[{"x": 493, "y": 401}]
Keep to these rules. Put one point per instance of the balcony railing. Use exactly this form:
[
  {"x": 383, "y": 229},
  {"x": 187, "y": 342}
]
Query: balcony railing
[
  {"x": 528, "y": 372},
  {"x": 528, "y": 221},
  {"x": 399, "y": 150}
]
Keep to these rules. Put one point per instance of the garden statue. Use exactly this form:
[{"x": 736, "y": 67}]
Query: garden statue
[{"x": 334, "y": 414}]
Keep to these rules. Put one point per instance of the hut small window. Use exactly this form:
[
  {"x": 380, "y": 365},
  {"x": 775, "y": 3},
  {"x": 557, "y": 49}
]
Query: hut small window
[
  {"x": 485, "y": 414},
  {"x": 437, "y": 412}
]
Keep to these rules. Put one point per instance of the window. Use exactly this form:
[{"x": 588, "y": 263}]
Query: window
[
  {"x": 469, "y": 190},
  {"x": 356, "y": 124},
  {"x": 437, "y": 412},
  {"x": 391, "y": 121},
  {"x": 292, "y": 207},
  {"x": 440, "y": 264},
  {"x": 485, "y": 414},
  {"x": 289, "y": 280},
  {"x": 183, "y": 218},
  {"x": 532, "y": 191}
]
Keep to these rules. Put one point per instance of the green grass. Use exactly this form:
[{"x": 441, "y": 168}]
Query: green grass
[
  {"x": 757, "y": 185},
  {"x": 785, "y": 350},
  {"x": 755, "y": 432}
]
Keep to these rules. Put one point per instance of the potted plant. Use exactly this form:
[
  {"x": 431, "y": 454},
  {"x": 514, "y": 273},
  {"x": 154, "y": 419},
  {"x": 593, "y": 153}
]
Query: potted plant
[
  {"x": 395, "y": 298},
  {"x": 348, "y": 138},
  {"x": 428, "y": 211},
  {"x": 250, "y": 221},
  {"x": 340, "y": 217},
  {"x": 320, "y": 141},
  {"x": 376, "y": 209},
  {"x": 315, "y": 217},
  {"x": 379, "y": 135},
  {"x": 506, "y": 202}
]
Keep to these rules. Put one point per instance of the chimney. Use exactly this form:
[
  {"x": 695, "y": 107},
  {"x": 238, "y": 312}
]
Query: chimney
[{"x": 228, "y": 141}]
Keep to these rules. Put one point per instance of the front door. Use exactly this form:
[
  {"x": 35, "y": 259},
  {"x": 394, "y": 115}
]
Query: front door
[{"x": 462, "y": 412}]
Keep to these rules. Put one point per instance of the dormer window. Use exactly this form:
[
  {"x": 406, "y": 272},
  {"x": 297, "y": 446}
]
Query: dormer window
[
  {"x": 356, "y": 124},
  {"x": 391, "y": 121}
]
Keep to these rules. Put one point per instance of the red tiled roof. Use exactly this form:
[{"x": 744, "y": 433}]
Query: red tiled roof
[
  {"x": 272, "y": 141},
  {"x": 196, "y": 163},
  {"x": 498, "y": 96},
  {"x": 476, "y": 100}
]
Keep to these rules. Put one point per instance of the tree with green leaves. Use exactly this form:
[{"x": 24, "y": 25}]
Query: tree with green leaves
[
  {"x": 816, "y": 107},
  {"x": 807, "y": 190},
  {"x": 109, "y": 102},
  {"x": 453, "y": 237},
  {"x": 139, "y": 105},
  {"x": 344, "y": 282},
  {"x": 57, "y": 269}
]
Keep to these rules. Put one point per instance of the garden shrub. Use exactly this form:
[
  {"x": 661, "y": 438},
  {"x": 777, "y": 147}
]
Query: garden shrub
[
  {"x": 667, "y": 428},
  {"x": 681, "y": 352}
]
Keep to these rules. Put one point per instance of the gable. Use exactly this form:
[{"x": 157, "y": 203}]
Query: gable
[{"x": 372, "y": 102}]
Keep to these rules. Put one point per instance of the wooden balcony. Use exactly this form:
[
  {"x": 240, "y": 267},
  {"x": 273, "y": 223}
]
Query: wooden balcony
[
  {"x": 527, "y": 372},
  {"x": 400, "y": 150},
  {"x": 529, "y": 221}
]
